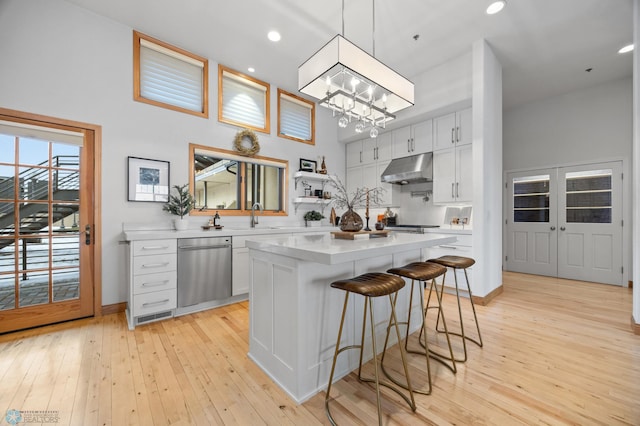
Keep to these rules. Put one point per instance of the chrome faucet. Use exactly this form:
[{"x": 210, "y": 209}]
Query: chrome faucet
[{"x": 254, "y": 218}]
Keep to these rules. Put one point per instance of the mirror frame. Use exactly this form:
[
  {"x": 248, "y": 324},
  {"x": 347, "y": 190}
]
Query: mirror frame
[{"x": 234, "y": 155}]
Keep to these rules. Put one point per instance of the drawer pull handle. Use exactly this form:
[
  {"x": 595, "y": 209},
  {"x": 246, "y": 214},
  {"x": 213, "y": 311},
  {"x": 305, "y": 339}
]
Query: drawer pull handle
[
  {"x": 155, "y": 265},
  {"x": 159, "y": 302},
  {"x": 154, "y": 283},
  {"x": 155, "y": 247},
  {"x": 450, "y": 247}
]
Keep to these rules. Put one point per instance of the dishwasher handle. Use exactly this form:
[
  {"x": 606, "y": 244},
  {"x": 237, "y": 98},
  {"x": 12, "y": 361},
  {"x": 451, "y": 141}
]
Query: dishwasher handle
[{"x": 214, "y": 246}]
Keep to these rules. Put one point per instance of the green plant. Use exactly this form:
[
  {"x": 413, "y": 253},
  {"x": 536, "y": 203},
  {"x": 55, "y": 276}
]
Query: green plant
[
  {"x": 181, "y": 203},
  {"x": 313, "y": 215}
]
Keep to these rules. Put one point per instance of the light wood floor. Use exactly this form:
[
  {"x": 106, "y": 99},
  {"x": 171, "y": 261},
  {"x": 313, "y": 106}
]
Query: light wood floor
[{"x": 556, "y": 352}]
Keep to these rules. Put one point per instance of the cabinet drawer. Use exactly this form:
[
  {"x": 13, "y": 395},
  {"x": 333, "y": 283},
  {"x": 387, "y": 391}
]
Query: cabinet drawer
[
  {"x": 154, "y": 282},
  {"x": 450, "y": 250},
  {"x": 143, "y": 248},
  {"x": 154, "y": 264},
  {"x": 149, "y": 303}
]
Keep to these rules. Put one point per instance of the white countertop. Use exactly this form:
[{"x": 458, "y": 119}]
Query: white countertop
[
  {"x": 449, "y": 229},
  {"x": 327, "y": 250},
  {"x": 224, "y": 232}
]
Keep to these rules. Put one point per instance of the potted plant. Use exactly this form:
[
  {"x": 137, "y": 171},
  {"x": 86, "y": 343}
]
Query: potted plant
[
  {"x": 180, "y": 204},
  {"x": 312, "y": 218}
]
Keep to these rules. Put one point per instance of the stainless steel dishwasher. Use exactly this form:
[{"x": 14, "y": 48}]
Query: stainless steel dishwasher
[{"x": 204, "y": 270}]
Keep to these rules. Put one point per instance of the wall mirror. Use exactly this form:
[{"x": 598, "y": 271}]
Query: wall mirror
[{"x": 224, "y": 181}]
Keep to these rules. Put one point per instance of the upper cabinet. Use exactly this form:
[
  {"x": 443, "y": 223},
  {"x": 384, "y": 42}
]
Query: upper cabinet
[
  {"x": 452, "y": 130},
  {"x": 370, "y": 150},
  {"x": 414, "y": 139}
]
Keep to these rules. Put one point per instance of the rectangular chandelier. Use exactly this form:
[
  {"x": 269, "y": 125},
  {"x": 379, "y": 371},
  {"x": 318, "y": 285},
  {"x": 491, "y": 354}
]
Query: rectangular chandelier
[{"x": 354, "y": 84}]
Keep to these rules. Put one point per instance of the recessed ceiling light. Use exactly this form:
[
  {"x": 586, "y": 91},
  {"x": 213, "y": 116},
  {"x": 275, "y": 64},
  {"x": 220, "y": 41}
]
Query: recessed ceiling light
[
  {"x": 628, "y": 48},
  {"x": 496, "y": 7},
  {"x": 251, "y": 69},
  {"x": 274, "y": 36}
]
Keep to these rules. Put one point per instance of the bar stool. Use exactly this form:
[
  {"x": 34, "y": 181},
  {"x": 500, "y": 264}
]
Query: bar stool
[
  {"x": 425, "y": 272},
  {"x": 370, "y": 285},
  {"x": 460, "y": 262}
]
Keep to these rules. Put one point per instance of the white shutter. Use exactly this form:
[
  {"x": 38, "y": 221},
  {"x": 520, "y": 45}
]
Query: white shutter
[
  {"x": 295, "y": 118},
  {"x": 170, "y": 77},
  {"x": 243, "y": 101}
]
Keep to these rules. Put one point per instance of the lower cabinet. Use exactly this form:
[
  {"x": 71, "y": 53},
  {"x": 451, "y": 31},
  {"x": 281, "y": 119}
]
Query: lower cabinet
[
  {"x": 240, "y": 270},
  {"x": 152, "y": 274}
]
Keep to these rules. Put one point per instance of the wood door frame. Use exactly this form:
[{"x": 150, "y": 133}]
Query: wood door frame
[
  {"x": 626, "y": 207},
  {"x": 96, "y": 130}
]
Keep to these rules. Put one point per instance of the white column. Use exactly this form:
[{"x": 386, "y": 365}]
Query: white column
[
  {"x": 487, "y": 170},
  {"x": 636, "y": 164}
]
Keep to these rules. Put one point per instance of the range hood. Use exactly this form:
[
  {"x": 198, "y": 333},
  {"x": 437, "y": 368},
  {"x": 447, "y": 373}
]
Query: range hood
[{"x": 412, "y": 169}]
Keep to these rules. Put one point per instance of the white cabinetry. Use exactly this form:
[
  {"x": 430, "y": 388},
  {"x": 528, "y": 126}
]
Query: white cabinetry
[
  {"x": 369, "y": 150},
  {"x": 367, "y": 174},
  {"x": 152, "y": 278},
  {"x": 414, "y": 139},
  {"x": 462, "y": 247},
  {"x": 452, "y": 175},
  {"x": 453, "y": 129}
]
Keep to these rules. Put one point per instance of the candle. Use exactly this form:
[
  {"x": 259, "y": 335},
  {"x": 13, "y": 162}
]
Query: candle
[{"x": 366, "y": 213}]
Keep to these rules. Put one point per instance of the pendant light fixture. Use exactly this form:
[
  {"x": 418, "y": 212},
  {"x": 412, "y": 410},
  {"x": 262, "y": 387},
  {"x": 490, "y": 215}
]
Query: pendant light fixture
[{"x": 355, "y": 85}]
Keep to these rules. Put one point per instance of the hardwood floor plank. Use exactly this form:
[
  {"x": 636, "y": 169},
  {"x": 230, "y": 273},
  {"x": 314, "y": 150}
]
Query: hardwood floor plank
[{"x": 556, "y": 352}]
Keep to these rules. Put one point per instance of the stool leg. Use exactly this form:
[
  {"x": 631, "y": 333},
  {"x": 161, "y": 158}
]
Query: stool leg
[
  {"x": 392, "y": 320},
  {"x": 473, "y": 307},
  {"x": 464, "y": 340},
  {"x": 335, "y": 358},
  {"x": 437, "y": 356},
  {"x": 406, "y": 346}
]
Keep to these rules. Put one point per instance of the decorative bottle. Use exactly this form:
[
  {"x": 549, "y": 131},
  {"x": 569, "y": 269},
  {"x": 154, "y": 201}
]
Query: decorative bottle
[{"x": 216, "y": 219}]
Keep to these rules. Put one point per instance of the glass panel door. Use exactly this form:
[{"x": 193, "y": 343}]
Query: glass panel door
[{"x": 41, "y": 246}]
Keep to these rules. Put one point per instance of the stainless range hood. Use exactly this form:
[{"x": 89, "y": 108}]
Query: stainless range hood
[{"x": 406, "y": 170}]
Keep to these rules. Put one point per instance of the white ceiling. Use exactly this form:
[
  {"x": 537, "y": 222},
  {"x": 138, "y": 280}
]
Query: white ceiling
[{"x": 545, "y": 46}]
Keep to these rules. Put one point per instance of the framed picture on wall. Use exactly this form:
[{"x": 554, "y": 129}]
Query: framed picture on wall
[
  {"x": 308, "y": 165},
  {"x": 148, "y": 180}
]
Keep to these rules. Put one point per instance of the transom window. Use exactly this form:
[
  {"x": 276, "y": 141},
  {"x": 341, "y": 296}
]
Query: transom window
[
  {"x": 169, "y": 77},
  {"x": 296, "y": 118},
  {"x": 242, "y": 100}
]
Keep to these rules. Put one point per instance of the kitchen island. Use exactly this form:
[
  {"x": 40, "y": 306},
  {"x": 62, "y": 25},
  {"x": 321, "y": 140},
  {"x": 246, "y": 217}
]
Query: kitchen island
[{"x": 295, "y": 314}]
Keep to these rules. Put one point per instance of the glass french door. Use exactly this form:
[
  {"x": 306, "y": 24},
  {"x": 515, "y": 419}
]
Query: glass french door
[
  {"x": 45, "y": 224},
  {"x": 566, "y": 222}
]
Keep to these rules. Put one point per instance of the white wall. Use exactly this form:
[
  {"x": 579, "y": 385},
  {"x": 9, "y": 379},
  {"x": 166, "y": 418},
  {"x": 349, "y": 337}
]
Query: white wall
[
  {"x": 636, "y": 163},
  {"x": 581, "y": 126},
  {"x": 63, "y": 61},
  {"x": 487, "y": 169}
]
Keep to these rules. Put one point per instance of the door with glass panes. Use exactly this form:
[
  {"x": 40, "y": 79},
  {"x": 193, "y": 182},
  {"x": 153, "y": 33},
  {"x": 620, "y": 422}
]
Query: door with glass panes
[
  {"x": 567, "y": 222},
  {"x": 46, "y": 218}
]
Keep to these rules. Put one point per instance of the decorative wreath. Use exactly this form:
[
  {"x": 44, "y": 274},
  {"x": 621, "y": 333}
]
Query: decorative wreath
[{"x": 238, "y": 143}]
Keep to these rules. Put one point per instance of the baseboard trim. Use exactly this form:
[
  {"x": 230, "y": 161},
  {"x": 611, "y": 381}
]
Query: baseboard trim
[
  {"x": 485, "y": 300},
  {"x": 114, "y": 309},
  {"x": 635, "y": 326}
]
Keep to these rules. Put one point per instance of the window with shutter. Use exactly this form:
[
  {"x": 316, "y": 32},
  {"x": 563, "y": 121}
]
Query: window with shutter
[
  {"x": 296, "y": 118},
  {"x": 169, "y": 77},
  {"x": 242, "y": 100}
]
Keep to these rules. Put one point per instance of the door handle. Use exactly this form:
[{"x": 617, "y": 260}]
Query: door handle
[
  {"x": 553, "y": 228},
  {"x": 562, "y": 228},
  {"x": 452, "y": 193},
  {"x": 413, "y": 144},
  {"x": 408, "y": 145},
  {"x": 87, "y": 235},
  {"x": 453, "y": 138},
  {"x": 457, "y": 186},
  {"x": 458, "y": 134}
]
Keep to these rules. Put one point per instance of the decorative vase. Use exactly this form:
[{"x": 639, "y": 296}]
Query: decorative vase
[
  {"x": 350, "y": 221},
  {"x": 181, "y": 224}
]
